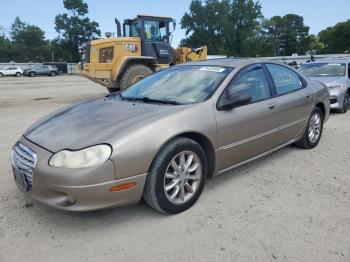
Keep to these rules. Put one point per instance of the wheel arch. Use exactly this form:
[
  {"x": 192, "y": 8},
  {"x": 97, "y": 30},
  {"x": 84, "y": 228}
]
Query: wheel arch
[
  {"x": 203, "y": 141},
  {"x": 321, "y": 106}
]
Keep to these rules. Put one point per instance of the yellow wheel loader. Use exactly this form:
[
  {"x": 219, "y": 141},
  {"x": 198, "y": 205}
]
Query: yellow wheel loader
[{"x": 117, "y": 62}]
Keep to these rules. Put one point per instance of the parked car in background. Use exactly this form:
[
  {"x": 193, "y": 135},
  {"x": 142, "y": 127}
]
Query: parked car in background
[
  {"x": 11, "y": 71},
  {"x": 335, "y": 74},
  {"x": 162, "y": 137},
  {"x": 49, "y": 70}
]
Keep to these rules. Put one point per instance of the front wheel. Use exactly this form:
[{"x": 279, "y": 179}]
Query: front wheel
[
  {"x": 133, "y": 74},
  {"x": 31, "y": 74},
  {"x": 313, "y": 132},
  {"x": 18, "y": 74},
  {"x": 1, "y": 74},
  {"x": 346, "y": 103},
  {"x": 177, "y": 176},
  {"x": 53, "y": 74}
]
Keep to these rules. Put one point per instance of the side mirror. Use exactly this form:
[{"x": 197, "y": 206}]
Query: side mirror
[{"x": 228, "y": 101}]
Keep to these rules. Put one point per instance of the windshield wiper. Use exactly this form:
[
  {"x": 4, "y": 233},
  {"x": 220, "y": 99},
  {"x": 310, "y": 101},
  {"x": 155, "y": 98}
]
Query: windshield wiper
[{"x": 147, "y": 99}]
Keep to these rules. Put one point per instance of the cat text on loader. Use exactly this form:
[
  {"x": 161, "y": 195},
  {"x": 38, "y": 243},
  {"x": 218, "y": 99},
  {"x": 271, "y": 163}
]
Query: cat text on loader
[{"x": 117, "y": 62}]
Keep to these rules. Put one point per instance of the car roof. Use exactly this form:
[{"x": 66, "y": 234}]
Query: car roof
[{"x": 232, "y": 62}]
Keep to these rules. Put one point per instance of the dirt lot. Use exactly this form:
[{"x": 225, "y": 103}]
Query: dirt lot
[{"x": 293, "y": 205}]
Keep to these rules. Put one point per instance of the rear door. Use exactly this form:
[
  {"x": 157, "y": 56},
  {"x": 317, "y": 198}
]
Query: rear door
[
  {"x": 246, "y": 131},
  {"x": 293, "y": 102}
]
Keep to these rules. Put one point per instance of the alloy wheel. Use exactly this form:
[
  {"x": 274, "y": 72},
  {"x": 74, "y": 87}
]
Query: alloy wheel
[
  {"x": 315, "y": 126},
  {"x": 182, "y": 177}
]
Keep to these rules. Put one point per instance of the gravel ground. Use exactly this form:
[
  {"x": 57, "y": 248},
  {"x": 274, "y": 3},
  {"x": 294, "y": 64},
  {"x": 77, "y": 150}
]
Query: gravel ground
[{"x": 293, "y": 205}]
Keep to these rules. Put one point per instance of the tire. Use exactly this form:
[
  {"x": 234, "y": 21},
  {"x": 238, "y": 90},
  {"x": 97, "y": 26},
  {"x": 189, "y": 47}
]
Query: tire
[
  {"x": 307, "y": 142},
  {"x": 133, "y": 74},
  {"x": 31, "y": 74},
  {"x": 155, "y": 193},
  {"x": 112, "y": 89},
  {"x": 18, "y": 74},
  {"x": 345, "y": 104},
  {"x": 53, "y": 74},
  {"x": 1, "y": 74}
]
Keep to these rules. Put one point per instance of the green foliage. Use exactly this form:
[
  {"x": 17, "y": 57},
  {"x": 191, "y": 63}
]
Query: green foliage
[
  {"x": 337, "y": 38},
  {"x": 227, "y": 27},
  {"x": 28, "y": 43},
  {"x": 75, "y": 28},
  {"x": 285, "y": 35},
  {"x": 6, "y": 49}
]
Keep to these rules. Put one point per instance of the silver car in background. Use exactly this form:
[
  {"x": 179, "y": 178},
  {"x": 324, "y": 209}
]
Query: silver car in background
[
  {"x": 335, "y": 74},
  {"x": 162, "y": 137}
]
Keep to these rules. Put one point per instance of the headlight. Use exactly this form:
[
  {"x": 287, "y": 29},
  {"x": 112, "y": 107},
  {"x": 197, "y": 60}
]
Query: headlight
[
  {"x": 87, "y": 157},
  {"x": 336, "y": 87}
]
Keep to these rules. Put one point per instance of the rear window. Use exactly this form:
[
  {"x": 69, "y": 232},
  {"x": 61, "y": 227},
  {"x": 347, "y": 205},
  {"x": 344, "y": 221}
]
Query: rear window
[{"x": 323, "y": 69}]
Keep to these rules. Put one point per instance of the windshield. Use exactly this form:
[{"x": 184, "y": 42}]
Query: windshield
[
  {"x": 180, "y": 84},
  {"x": 324, "y": 69}
]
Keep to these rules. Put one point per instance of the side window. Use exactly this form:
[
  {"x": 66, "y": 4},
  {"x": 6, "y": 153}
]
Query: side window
[
  {"x": 155, "y": 31},
  {"x": 285, "y": 80},
  {"x": 106, "y": 55},
  {"x": 253, "y": 82},
  {"x": 349, "y": 70}
]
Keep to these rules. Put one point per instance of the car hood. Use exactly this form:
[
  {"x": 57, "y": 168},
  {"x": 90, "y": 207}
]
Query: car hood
[
  {"x": 329, "y": 80},
  {"x": 94, "y": 122}
]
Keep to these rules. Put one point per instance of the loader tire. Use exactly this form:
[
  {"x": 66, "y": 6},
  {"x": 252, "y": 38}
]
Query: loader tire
[{"x": 133, "y": 74}]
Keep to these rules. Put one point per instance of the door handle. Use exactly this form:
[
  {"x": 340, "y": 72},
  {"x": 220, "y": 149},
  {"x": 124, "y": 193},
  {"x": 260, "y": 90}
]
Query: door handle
[
  {"x": 308, "y": 95},
  {"x": 273, "y": 107}
]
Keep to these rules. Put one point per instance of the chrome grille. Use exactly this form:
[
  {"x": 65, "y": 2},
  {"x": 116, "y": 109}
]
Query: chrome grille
[{"x": 24, "y": 160}]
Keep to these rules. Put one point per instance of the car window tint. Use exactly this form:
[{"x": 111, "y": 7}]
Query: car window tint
[
  {"x": 349, "y": 70},
  {"x": 253, "y": 82},
  {"x": 285, "y": 80}
]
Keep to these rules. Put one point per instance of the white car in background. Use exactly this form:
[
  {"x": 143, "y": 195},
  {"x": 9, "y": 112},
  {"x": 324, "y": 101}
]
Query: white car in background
[{"x": 11, "y": 71}]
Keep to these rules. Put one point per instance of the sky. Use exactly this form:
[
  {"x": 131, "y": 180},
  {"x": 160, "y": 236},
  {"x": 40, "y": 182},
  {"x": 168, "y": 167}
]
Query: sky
[{"x": 318, "y": 14}]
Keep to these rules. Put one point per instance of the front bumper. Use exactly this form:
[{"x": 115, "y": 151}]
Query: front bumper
[
  {"x": 337, "y": 99},
  {"x": 80, "y": 189}
]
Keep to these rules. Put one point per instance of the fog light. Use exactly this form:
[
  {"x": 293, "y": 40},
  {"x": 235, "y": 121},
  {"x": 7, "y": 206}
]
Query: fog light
[{"x": 122, "y": 187}]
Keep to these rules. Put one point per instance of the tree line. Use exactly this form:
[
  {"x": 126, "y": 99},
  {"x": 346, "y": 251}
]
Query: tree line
[
  {"x": 227, "y": 27},
  {"x": 27, "y": 42},
  {"x": 238, "y": 28}
]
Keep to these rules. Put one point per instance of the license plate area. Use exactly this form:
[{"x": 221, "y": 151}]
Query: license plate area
[{"x": 20, "y": 179}]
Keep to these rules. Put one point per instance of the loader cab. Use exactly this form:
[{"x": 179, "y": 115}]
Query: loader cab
[{"x": 155, "y": 36}]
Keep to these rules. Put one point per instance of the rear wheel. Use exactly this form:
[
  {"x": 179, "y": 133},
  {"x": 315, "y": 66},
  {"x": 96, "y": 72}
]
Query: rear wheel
[
  {"x": 133, "y": 74},
  {"x": 177, "y": 176},
  {"x": 313, "y": 132},
  {"x": 346, "y": 103},
  {"x": 1, "y": 74},
  {"x": 18, "y": 74},
  {"x": 31, "y": 74},
  {"x": 53, "y": 74}
]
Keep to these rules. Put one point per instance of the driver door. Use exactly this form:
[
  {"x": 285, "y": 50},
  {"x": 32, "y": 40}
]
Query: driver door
[
  {"x": 246, "y": 131},
  {"x": 155, "y": 41},
  {"x": 8, "y": 71}
]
